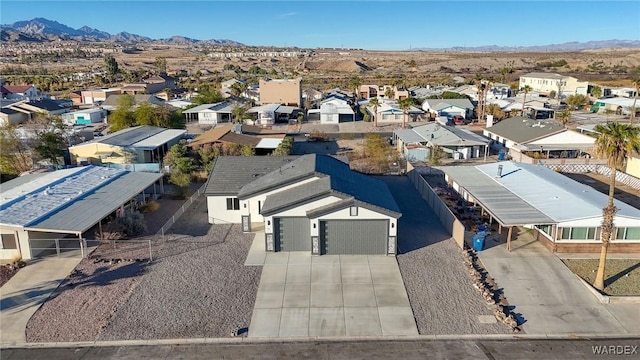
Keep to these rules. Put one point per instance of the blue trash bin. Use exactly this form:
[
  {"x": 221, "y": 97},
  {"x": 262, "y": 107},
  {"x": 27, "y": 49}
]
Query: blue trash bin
[
  {"x": 482, "y": 233},
  {"x": 478, "y": 242}
]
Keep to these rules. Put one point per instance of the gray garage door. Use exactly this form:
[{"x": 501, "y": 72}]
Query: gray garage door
[
  {"x": 292, "y": 234},
  {"x": 364, "y": 237}
]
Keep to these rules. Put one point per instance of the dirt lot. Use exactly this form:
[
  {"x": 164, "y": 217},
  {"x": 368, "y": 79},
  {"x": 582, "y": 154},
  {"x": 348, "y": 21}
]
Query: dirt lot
[{"x": 623, "y": 192}]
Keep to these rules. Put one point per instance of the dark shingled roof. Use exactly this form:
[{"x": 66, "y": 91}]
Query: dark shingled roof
[
  {"x": 231, "y": 173},
  {"x": 297, "y": 195},
  {"x": 342, "y": 181}
]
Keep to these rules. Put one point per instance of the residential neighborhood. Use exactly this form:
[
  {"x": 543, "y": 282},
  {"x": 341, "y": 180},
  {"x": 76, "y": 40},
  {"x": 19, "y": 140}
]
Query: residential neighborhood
[{"x": 270, "y": 206}]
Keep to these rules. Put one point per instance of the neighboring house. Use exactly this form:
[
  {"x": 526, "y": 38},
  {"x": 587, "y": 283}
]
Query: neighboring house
[
  {"x": 264, "y": 141},
  {"x": 85, "y": 117},
  {"x": 179, "y": 103},
  {"x": 368, "y": 91},
  {"x": 45, "y": 213},
  {"x": 282, "y": 91},
  {"x": 623, "y": 92},
  {"x": 76, "y": 97},
  {"x": 449, "y": 107},
  {"x": 139, "y": 144},
  {"x": 546, "y": 137},
  {"x": 13, "y": 117},
  {"x": 334, "y": 111},
  {"x": 21, "y": 92},
  {"x": 619, "y": 105},
  {"x": 98, "y": 95},
  {"x": 211, "y": 114},
  {"x": 312, "y": 203},
  {"x": 113, "y": 101},
  {"x": 269, "y": 114},
  {"x": 545, "y": 83},
  {"x": 151, "y": 85},
  {"x": 633, "y": 166},
  {"x": 565, "y": 215},
  {"x": 389, "y": 112},
  {"x": 416, "y": 143},
  {"x": 45, "y": 107}
]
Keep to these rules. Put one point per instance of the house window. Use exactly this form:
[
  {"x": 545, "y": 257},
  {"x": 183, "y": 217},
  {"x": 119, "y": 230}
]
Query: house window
[
  {"x": 8, "y": 242},
  {"x": 630, "y": 233},
  {"x": 578, "y": 233},
  {"x": 545, "y": 229},
  {"x": 353, "y": 211},
  {"x": 233, "y": 204}
]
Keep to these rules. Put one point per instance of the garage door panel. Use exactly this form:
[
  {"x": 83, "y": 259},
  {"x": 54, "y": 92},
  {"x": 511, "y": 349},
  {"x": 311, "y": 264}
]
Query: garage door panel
[
  {"x": 292, "y": 234},
  {"x": 362, "y": 237}
]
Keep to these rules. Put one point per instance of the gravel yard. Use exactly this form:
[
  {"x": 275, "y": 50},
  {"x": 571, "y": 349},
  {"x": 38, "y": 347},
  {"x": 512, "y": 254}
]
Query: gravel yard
[
  {"x": 622, "y": 276},
  {"x": 441, "y": 292},
  {"x": 197, "y": 287},
  {"x": 5, "y": 274},
  {"x": 84, "y": 302}
]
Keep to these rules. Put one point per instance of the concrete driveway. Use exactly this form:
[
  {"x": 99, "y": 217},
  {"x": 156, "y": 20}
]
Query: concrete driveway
[
  {"x": 324, "y": 296},
  {"x": 29, "y": 288},
  {"x": 548, "y": 296}
]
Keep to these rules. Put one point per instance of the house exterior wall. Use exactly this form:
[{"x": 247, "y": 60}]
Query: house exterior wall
[
  {"x": 566, "y": 137},
  {"x": 209, "y": 117},
  {"x": 288, "y": 92},
  {"x": 569, "y": 85},
  {"x": 633, "y": 167},
  {"x": 88, "y": 152},
  {"x": 218, "y": 213},
  {"x": 14, "y": 119},
  {"x": 9, "y": 250},
  {"x": 363, "y": 214}
]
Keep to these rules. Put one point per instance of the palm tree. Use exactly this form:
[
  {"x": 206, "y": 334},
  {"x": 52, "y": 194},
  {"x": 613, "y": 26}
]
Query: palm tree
[
  {"x": 564, "y": 117},
  {"x": 405, "y": 104},
  {"x": 615, "y": 143},
  {"x": 239, "y": 113},
  {"x": 238, "y": 88},
  {"x": 375, "y": 103},
  {"x": 355, "y": 83},
  {"x": 636, "y": 85},
  {"x": 526, "y": 90},
  {"x": 389, "y": 93}
]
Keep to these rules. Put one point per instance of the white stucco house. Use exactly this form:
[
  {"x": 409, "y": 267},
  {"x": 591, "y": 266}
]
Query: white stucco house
[
  {"x": 449, "y": 107},
  {"x": 309, "y": 203}
]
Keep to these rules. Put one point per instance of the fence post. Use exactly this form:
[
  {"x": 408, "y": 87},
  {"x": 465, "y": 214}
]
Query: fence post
[
  {"x": 150, "y": 252},
  {"x": 58, "y": 247},
  {"x": 84, "y": 241}
]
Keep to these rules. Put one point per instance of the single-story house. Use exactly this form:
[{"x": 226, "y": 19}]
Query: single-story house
[
  {"x": 565, "y": 214},
  {"x": 333, "y": 111},
  {"x": 457, "y": 143},
  {"x": 268, "y": 114},
  {"x": 47, "y": 213},
  {"x": 449, "y": 107},
  {"x": 134, "y": 145},
  {"x": 11, "y": 116},
  {"x": 20, "y": 92},
  {"x": 84, "y": 117},
  {"x": 390, "y": 112},
  {"x": 523, "y": 135},
  {"x": 47, "y": 107},
  {"x": 98, "y": 95},
  {"x": 313, "y": 203},
  {"x": 112, "y": 102},
  {"x": 211, "y": 114},
  {"x": 264, "y": 141}
]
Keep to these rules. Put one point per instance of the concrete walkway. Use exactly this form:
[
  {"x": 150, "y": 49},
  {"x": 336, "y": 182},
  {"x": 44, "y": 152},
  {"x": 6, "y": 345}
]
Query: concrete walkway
[
  {"x": 331, "y": 296},
  {"x": 549, "y": 298},
  {"x": 256, "y": 254},
  {"x": 29, "y": 288}
]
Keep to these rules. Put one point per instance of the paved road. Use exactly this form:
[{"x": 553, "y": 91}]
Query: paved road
[{"x": 511, "y": 349}]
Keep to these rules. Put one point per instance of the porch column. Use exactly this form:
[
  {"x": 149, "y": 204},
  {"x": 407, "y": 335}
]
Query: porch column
[
  {"x": 154, "y": 191},
  {"x": 161, "y": 186},
  {"x": 509, "y": 238},
  {"x": 81, "y": 245},
  {"x": 486, "y": 152},
  {"x": 100, "y": 228},
  {"x": 500, "y": 228}
]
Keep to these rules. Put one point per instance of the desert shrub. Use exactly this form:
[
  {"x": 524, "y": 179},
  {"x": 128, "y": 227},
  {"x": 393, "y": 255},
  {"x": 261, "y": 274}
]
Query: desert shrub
[
  {"x": 132, "y": 223},
  {"x": 150, "y": 206}
]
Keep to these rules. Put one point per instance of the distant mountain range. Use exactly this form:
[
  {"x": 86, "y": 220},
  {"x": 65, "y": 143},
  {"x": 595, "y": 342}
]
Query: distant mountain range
[
  {"x": 43, "y": 30},
  {"x": 568, "y": 46}
]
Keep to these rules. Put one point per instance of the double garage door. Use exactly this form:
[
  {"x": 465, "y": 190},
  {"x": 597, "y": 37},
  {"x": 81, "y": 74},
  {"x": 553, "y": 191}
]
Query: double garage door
[{"x": 337, "y": 237}]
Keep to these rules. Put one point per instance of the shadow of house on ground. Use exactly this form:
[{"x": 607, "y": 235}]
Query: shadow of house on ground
[
  {"x": 610, "y": 280},
  {"x": 320, "y": 147},
  {"x": 419, "y": 226},
  {"x": 28, "y": 297}
]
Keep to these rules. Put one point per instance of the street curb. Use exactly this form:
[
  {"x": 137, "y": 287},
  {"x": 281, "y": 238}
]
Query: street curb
[{"x": 244, "y": 340}]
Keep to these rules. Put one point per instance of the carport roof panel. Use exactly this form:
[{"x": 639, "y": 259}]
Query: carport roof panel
[
  {"x": 508, "y": 208},
  {"x": 82, "y": 214}
]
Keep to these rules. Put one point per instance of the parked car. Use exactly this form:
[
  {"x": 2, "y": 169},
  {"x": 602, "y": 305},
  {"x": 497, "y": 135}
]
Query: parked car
[{"x": 459, "y": 120}]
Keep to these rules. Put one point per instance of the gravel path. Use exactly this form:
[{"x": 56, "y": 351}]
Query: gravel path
[
  {"x": 198, "y": 286},
  {"x": 84, "y": 302},
  {"x": 440, "y": 290}
]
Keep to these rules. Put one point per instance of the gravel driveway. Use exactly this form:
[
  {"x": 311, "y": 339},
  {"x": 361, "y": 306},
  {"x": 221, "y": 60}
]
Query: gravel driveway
[
  {"x": 440, "y": 290},
  {"x": 197, "y": 287}
]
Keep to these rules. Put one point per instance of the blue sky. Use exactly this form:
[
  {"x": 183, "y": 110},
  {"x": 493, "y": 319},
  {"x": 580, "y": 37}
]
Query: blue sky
[{"x": 382, "y": 25}]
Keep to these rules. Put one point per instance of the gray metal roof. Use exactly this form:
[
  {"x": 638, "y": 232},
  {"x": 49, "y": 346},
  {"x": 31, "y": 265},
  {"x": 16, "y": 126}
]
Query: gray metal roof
[
  {"x": 70, "y": 200},
  {"x": 159, "y": 139},
  {"x": 81, "y": 215},
  {"x": 506, "y": 207},
  {"x": 130, "y": 136},
  {"x": 462, "y": 103},
  {"x": 292, "y": 172},
  {"x": 408, "y": 136},
  {"x": 231, "y": 173},
  {"x": 532, "y": 194},
  {"x": 449, "y": 136},
  {"x": 521, "y": 130}
]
